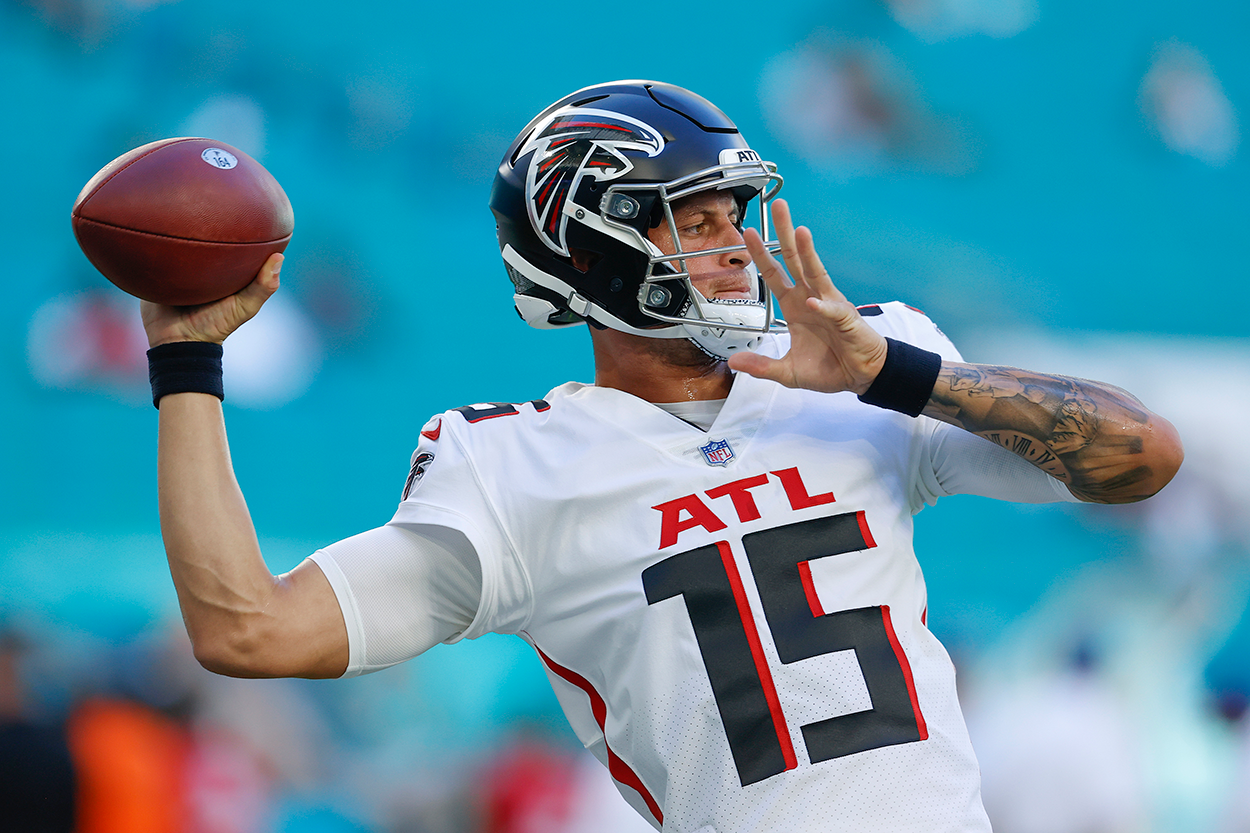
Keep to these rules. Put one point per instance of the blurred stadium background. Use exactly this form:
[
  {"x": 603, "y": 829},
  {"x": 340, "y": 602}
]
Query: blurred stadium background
[{"x": 1060, "y": 185}]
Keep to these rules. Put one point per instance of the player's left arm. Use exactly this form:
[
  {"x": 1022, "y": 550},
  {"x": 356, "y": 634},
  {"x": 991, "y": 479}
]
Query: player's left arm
[{"x": 1098, "y": 439}]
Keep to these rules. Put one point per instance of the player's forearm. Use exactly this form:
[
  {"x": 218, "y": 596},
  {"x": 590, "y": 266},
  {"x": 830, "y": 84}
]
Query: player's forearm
[
  {"x": 224, "y": 587},
  {"x": 1096, "y": 438}
]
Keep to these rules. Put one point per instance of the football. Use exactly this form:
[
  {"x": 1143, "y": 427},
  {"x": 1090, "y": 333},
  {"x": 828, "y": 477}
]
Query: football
[{"x": 182, "y": 221}]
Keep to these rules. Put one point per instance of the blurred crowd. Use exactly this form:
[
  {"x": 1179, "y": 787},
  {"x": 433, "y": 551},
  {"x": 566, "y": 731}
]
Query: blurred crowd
[{"x": 136, "y": 738}]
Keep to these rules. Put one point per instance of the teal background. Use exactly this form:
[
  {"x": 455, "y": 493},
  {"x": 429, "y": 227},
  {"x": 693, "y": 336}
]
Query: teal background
[{"x": 1065, "y": 216}]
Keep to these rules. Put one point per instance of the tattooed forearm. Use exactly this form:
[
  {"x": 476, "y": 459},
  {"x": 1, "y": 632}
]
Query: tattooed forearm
[{"x": 1096, "y": 438}]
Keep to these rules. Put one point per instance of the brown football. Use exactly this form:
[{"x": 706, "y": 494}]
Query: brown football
[{"x": 182, "y": 221}]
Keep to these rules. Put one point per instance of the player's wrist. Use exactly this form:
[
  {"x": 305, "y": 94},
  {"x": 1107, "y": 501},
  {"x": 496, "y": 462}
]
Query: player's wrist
[
  {"x": 906, "y": 379},
  {"x": 185, "y": 367},
  {"x": 871, "y": 368},
  {"x": 178, "y": 338}
]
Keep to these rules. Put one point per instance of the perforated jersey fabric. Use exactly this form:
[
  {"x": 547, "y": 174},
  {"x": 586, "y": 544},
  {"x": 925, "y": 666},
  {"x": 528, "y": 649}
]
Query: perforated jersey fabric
[{"x": 733, "y": 620}]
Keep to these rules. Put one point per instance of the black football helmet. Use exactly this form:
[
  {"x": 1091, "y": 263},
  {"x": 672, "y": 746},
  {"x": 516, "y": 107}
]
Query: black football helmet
[{"x": 592, "y": 174}]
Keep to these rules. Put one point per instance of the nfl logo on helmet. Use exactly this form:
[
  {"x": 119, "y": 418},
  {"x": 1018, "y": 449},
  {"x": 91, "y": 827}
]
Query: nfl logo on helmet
[{"x": 717, "y": 452}]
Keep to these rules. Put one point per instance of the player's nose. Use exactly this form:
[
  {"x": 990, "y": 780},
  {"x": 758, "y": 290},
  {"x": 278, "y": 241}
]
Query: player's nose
[{"x": 731, "y": 238}]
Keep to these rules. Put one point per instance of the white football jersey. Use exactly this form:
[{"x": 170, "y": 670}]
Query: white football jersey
[{"x": 733, "y": 620}]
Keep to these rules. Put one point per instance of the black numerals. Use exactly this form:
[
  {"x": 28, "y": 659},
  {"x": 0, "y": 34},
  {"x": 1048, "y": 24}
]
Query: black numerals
[
  {"x": 491, "y": 410},
  {"x": 775, "y": 556},
  {"x": 708, "y": 581},
  {"x": 799, "y": 632},
  {"x": 705, "y": 577}
]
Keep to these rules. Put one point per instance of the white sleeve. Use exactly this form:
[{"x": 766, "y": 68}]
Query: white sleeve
[
  {"x": 403, "y": 588},
  {"x": 965, "y": 464}
]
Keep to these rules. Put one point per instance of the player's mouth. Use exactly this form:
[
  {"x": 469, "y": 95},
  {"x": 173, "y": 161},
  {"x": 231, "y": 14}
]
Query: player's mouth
[{"x": 725, "y": 287}]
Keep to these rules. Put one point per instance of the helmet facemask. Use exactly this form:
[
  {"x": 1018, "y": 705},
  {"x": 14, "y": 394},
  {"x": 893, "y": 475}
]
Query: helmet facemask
[{"x": 719, "y": 327}]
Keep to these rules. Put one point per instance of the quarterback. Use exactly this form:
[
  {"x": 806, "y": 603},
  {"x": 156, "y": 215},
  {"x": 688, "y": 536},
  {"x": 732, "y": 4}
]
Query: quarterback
[{"x": 710, "y": 547}]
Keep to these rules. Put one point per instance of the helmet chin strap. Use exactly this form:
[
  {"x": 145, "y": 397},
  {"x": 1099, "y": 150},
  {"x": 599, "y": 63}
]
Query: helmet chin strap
[{"x": 723, "y": 342}]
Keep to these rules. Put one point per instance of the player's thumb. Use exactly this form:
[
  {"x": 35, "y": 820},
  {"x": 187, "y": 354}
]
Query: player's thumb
[
  {"x": 762, "y": 367},
  {"x": 232, "y": 312},
  {"x": 270, "y": 273},
  {"x": 266, "y": 282}
]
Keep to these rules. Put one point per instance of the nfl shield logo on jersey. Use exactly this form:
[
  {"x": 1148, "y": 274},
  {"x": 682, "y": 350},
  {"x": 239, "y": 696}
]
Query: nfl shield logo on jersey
[{"x": 717, "y": 452}]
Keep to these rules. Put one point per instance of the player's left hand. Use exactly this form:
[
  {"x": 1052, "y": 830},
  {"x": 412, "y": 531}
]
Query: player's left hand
[{"x": 832, "y": 348}]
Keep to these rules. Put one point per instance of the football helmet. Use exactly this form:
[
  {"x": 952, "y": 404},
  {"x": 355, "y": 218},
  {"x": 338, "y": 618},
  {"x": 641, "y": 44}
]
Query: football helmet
[{"x": 590, "y": 176}]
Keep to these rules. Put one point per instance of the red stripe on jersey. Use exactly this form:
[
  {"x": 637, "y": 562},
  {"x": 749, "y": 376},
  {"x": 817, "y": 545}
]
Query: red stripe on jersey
[
  {"x": 863, "y": 528},
  {"x": 757, "y": 654},
  {"x": 433, "y": 433},
  {"x": 924, "y": 616},
  {"x": 906, "y": 666},
  {"x": 619, "y": 770},
  {"x": 809, "y": 589},
  {"x": 490, "y": 416}
]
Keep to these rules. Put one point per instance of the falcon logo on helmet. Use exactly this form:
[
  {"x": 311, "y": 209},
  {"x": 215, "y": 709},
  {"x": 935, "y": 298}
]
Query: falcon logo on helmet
[{"x": 576, "y": 142}]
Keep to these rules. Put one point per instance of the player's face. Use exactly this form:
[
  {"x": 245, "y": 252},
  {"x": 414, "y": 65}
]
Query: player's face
[{"x": 709, "y": 221}]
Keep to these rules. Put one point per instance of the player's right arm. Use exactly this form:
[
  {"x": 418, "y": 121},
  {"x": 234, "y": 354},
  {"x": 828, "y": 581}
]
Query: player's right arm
[{"x": 243, "y": 621}]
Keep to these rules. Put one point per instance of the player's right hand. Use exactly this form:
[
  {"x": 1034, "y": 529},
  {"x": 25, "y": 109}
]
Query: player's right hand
[{"x": 211, "y": 322}]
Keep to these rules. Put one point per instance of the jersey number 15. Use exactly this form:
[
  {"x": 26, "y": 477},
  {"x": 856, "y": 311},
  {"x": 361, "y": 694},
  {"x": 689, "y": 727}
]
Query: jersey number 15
[{"x": 708, "y": 579}]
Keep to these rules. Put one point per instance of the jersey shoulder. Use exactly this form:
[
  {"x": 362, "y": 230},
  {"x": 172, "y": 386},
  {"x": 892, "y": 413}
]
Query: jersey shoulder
[
  {"x": 906, "y": 323},
  {"x": 485, "y": 424},
  {"x": 484, "y": 430}
]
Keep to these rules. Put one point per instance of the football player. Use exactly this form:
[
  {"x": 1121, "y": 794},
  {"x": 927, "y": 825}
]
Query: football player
[{"x": 709, "y": 548}]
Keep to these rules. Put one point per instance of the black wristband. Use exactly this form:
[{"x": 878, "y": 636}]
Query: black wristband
[
  {"x": 906, "y": 380},
  {"x": 185, "y": 367}
]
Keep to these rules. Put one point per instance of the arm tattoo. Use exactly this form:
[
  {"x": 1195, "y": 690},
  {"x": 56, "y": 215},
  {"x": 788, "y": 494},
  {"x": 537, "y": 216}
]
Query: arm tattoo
[{"x": 1084, "y": 433}]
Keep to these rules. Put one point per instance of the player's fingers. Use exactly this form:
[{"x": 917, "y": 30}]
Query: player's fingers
[
  {"x": 783, "y": 227},
  {"x": 814, "y": 272},
  {"x": 770, "y": 269}
]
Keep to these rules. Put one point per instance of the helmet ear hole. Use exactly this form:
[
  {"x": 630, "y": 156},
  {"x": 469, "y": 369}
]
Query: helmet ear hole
[{"x": 583, "y": 260}]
